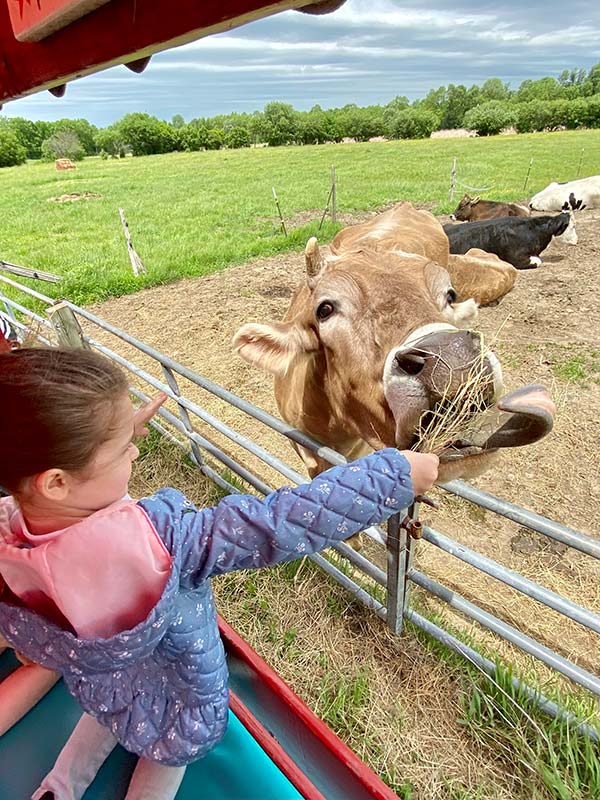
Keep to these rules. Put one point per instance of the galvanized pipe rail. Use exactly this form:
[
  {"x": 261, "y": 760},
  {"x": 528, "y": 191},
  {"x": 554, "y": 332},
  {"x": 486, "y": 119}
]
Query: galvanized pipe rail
[
  {"x": 400, "y": 572},
  {"x": 508, "y": 632},
  {"x": 522, "y": 516},
  {"x": 566, "y": 607}
]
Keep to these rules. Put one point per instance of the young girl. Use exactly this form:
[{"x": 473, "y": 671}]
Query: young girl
[{"x": 115, "y": 594}]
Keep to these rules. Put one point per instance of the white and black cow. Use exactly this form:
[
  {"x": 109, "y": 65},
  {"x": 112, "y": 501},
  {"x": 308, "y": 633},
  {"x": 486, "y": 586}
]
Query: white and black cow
[
  {"x": 574, "y": 195},
  {"x": 517, "y": 240}
]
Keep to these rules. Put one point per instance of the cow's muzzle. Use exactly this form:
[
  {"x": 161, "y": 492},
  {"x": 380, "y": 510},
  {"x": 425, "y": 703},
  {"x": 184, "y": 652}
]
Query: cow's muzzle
[
  {"x": 444, "y": 361},
  {"x": 521, "y": 417},
  {"x": 432, "y": 367}
]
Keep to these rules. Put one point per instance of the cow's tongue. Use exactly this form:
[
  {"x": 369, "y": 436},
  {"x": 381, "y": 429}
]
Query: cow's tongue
[{"x": 521, "y": 417}]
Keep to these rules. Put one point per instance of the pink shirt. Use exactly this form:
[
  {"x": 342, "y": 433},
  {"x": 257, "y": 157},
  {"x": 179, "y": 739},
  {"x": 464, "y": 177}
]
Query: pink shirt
[{"x": 101, "y": 576}]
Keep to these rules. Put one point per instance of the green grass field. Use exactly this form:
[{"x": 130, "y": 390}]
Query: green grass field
[{"x": 193, "y": 213}]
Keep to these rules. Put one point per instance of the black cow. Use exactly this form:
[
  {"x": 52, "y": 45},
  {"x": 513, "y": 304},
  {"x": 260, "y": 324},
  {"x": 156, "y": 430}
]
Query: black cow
[{"x": 517, "y": 240}]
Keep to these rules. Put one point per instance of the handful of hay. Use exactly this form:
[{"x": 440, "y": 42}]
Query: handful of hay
[{"x": 444, "y": 427}]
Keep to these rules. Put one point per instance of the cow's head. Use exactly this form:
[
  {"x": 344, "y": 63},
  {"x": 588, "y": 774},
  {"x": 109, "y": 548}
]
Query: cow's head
[
  {"x": 464, "y": 210},
  {"x": 370, "y": 343},
  {"x": 538, "y": 201}
]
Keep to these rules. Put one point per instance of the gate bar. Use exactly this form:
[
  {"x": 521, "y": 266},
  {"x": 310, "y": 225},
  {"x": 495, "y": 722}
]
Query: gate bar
[
  {"x": 542, "y": 702},
  {"x": 373, "y": 532},
  {"x": 582, "y": 615},
  {"x": 568, "y": 536},
  {"x": 521, "y": 640},
  {"x": 297, "y": 436}
]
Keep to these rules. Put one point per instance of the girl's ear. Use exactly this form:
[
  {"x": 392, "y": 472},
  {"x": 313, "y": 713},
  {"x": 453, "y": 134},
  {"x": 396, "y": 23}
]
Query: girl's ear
[{"x": 51, "y": 484}]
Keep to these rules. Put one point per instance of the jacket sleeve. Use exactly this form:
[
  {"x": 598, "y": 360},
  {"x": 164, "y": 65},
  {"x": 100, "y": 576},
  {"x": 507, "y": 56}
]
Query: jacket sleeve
[{"x": 247, "y": 532}]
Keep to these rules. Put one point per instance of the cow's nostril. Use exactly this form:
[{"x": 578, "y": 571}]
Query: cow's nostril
[{"x": 410, "y": 363}]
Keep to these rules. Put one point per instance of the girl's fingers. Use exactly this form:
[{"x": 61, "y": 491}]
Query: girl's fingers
[{"x": 145, "y": 414}]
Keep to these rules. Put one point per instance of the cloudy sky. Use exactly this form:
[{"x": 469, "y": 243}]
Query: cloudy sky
[{"x": 367, "y": 52}]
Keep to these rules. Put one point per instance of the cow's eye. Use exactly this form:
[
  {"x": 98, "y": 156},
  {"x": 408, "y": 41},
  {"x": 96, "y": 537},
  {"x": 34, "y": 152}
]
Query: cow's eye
[
  {"x": 325, "y": 310},
  {"x": 451, "y": 296}
]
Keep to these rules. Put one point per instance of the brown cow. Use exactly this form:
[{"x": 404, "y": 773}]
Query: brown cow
[
  {"x": 471, "y": 209},
  {"x": 478, "y": 275},
  {"x": 369, "y": 344}
]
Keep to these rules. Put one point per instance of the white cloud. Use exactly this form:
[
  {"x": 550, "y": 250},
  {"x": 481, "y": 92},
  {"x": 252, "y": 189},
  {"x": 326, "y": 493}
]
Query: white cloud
[{"x": 366, "y": 52}]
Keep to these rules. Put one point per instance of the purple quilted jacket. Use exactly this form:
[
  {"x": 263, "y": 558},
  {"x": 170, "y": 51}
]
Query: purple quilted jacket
[{"x": 161, "y": 687}]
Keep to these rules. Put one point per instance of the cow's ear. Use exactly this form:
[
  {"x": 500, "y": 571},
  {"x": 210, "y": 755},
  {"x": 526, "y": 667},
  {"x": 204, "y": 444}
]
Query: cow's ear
[
  {"x": 475, "y": 200},
  {"x": 274, "y": 347}
]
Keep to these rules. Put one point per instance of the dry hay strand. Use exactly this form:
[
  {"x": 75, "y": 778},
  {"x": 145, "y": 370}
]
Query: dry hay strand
[{"x": 442, "y": 428}]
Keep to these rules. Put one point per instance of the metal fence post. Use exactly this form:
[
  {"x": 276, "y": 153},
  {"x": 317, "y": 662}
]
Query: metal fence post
[
  {"x": 453, "y": 180},
  {"x": 397, "y": 544}
]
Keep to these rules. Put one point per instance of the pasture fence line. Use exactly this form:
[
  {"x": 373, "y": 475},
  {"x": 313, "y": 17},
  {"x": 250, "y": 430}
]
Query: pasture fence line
[
  {"x": 189, "y": 425},
  {"x": 454, "y": 182}
]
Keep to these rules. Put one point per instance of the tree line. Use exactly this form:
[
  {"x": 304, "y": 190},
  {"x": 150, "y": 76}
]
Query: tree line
[{"x": 570, "y": 101}]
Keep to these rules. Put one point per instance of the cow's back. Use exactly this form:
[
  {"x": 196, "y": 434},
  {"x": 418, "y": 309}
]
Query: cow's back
[
  {"x": 487, "y": 209},
  {"x": 402, "y": 229}
]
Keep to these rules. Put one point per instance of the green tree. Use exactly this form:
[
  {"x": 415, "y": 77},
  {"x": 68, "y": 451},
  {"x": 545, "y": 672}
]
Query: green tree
[
  {"x": 459, "y": 100},
  {"x": 192, "y": 137},
  {"x": 489, "y": 118},
  {"x": 414, "y": 123},
  {"x": 28, "y": 133},
  {"x": 177, "y": 121},
  {"x": 237, "y": 137},
  {"x": 146, "y": 134},
  {"x": 110, "y": 140},
  {"x": 280, "y": 124},
  {"x": 494, "y": 89},
  {"x": 63, "y": 144},
  {"x": 12, "y": 151},
  {"x": 542, "y": 89},
  {"x": 390, "y": 110},
  {"x": 215, "y": 138},
  {"x": 311, "y": 127}
]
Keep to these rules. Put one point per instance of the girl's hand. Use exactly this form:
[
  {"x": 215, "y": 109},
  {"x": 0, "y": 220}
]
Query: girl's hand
[
  {"x": 145, "y": 414},
  {"x": 423, "y": 470}
]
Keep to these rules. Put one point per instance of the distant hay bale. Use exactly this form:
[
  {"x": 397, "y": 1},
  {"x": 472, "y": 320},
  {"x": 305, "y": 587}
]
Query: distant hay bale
[{"x": 64, "y": 163}]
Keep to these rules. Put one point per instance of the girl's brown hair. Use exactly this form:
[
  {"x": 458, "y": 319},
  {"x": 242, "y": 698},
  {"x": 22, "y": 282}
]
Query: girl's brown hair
[{"x": 56, "y": 409}]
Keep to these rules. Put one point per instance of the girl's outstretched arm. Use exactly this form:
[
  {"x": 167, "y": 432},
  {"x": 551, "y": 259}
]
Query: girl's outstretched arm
[{"x": 245, "y": 532}]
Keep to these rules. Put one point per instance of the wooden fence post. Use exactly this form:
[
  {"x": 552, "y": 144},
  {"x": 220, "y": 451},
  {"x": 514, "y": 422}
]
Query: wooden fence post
[
  {"x": 65, "y": 324},
  {"x": 279, "y": 210},
  {"x": 137, "y": 264},
  {"x": 580, "y": 161}
]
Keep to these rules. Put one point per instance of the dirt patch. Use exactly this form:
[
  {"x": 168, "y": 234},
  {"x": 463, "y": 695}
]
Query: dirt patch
[
  {"x": 69, "y": 198},
  {"x": 547, "y": 324}
]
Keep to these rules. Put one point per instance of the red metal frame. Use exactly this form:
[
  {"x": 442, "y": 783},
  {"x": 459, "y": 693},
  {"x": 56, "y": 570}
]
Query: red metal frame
[
  {"x": 120, "y": 31},
  {"x": 274, "y": 750},
  {"x": 354, "y": 778}
]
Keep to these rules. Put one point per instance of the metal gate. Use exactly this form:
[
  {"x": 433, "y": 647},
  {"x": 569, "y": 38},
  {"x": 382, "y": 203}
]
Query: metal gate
[{"x": 60, "y": 325}]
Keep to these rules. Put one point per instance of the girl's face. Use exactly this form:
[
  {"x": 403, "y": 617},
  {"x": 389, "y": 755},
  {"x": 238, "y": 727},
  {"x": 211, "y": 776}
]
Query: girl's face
[{"x": 105, "y": 479}]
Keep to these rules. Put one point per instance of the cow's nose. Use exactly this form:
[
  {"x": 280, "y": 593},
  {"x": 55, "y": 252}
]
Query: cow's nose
[
  {"x": 409, "y": 362},
  {"x": 445, "y": 361}
]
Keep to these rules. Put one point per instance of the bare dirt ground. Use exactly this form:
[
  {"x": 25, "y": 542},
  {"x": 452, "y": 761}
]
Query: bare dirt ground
[{"x": 546, "y": 330}]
